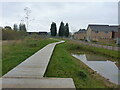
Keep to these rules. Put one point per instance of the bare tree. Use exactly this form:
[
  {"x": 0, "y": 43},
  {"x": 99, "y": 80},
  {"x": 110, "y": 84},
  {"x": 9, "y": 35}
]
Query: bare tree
[{"x": 27, "y": 11}]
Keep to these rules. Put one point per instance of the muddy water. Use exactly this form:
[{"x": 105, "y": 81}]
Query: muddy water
[{"x": 104, "y": 67}]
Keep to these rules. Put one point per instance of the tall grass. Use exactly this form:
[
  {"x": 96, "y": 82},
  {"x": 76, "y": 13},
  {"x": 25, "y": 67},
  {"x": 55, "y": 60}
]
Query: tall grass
[
  {"x": 15, "y": 52},
  {"x": 12, "y": 34}
]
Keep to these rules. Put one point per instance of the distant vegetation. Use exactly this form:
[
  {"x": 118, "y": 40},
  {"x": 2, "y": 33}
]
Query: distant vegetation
[
  {"x": 13, "y": 34},
  {"x": 63, "y": 30},
  {"x": 53, "y": 29},
  {"x": 16, "y": 32}
]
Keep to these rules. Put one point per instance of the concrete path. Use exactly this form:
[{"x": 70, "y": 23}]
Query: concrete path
[
  {"x": 38, "y": 83},
  {"x": 29, "y": 74}
]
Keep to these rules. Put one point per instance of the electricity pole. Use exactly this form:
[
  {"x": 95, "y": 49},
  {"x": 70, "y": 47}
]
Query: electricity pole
[{"x": 27, "y": 11}]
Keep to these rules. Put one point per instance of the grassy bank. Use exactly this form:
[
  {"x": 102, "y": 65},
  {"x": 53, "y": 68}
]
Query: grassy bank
[
  {"x": 16, "y": 51},
  {"x": 63, "y": 65},
  {"x": 110, "y": 54}
]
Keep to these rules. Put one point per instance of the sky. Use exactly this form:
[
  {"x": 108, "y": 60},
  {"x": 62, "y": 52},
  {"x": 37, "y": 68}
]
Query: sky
[{"x": 77, "y": 14}]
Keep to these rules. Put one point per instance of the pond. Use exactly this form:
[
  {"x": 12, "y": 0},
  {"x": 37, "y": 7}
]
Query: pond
[{"x": 106, "y": 68}]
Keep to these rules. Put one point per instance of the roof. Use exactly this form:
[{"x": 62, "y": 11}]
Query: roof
[
  {"x": 81, "y": 31},
  {"x": 114, "y": 28},
  {"x": 103, "y": 28}
]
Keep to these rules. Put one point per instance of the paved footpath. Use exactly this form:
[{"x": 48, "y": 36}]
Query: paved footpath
[{"x": 29, "y": 74}]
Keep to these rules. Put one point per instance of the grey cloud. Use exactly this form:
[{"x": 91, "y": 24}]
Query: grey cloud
[{"x": 78, "y": 15}]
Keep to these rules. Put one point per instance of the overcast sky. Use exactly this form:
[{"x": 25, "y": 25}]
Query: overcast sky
[{"x": 77, "y": 14}]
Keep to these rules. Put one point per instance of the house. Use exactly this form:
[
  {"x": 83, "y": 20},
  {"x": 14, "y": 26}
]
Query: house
[
  {"x": 81, "y": 34},
  {"x": 117, "y": 34},
  {"x": 103, "y": 33}
]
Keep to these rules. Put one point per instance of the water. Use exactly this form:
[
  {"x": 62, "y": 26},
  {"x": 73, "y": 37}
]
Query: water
[{"x": 106, "y": 68}]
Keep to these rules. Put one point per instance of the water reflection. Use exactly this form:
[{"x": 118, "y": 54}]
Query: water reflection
[
  {"x": 92, "y": 57},
  {"x": 106, "y": 68}
]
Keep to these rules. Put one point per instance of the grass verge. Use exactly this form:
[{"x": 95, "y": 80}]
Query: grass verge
[{"x": 63, "y": 65}]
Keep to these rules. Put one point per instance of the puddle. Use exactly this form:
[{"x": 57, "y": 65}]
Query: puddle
[{"x": 106, "y": 68}]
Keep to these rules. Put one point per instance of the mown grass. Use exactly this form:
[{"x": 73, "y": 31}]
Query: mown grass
[
  {"x": 63, "y": 65},
  {"x": 15, "y": 52}
]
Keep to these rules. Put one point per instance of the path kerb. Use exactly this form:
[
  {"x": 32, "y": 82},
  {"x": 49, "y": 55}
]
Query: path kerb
[{"x": 29, "y": 74}]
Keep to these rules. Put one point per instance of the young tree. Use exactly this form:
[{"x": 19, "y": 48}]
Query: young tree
[
  {"x": 61, "y": 29},
  {"x": 15, "y": 27},
  {"x": 27, "y": 11},
  {"x": 66, "y": 30},
  {"x": 22, "y": 27},
  {"x": 53, "y": 29}
]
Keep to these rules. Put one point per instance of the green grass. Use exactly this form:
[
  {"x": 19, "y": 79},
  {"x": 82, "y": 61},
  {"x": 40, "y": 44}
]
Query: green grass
[
  {"x": 101, "y": 51},
  {"x": 15, "y": 52},
  {"x": 63, "y": 65}
]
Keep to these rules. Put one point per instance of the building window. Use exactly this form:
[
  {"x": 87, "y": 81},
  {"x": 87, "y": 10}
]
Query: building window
[
  {"x": 96, "y": 32},
  {"x": 106, "y": 32}
]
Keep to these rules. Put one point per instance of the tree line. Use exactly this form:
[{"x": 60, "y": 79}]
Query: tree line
[
  {"x": 16, "y": 33},
  {"x": 22, "y": 27},
  {"x": 63, "y": 30}
]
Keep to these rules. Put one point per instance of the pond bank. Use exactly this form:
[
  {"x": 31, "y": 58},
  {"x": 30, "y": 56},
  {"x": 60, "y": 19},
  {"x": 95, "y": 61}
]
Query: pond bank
[
  {"x": 79, "y": 48},
  {"x": 64, "y": 65},
  {"x": 105, "y": 68}
]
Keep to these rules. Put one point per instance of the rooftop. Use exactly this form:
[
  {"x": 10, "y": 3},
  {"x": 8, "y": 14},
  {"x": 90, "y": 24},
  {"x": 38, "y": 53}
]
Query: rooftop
[
  {"x": 81, "y": 31},
  {"x": 95, "y": 27}
]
